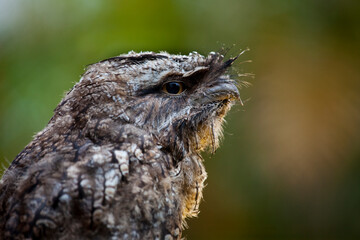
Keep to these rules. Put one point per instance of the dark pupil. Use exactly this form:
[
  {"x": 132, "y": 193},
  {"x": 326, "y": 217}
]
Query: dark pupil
[{"x": 173, "y": 87}]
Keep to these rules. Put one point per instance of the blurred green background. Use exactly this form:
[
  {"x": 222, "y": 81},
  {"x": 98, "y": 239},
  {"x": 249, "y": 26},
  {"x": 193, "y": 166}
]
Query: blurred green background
[{"x": 289, "y": 167}]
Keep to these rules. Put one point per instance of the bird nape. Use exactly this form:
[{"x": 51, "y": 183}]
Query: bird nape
[{"x": 120, "y": 158}]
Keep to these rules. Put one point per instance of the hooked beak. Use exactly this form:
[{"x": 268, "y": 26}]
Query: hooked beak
[{"x": 221, "y": 92}]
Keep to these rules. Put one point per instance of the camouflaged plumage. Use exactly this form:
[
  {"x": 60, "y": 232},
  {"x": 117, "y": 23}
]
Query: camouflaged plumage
[{"x": 120, "y": 157}]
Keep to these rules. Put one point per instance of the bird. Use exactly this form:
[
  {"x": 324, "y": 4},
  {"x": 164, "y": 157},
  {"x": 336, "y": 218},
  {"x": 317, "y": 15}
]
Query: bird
[{"x": 121, "y": 156}]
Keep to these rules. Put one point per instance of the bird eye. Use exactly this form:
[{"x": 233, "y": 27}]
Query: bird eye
[{"x": 173, "y": 87}]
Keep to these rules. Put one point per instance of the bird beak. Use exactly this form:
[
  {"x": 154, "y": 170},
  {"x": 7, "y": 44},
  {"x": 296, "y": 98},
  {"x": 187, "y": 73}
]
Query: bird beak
[{"x": 224, "y": 91}]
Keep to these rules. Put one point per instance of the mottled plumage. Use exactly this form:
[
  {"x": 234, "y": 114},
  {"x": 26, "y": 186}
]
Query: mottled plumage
[{"x": 120, "y": 157}]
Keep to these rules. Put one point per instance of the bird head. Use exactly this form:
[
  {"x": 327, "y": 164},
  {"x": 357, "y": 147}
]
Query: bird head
[{"x": 180, "y": 99}]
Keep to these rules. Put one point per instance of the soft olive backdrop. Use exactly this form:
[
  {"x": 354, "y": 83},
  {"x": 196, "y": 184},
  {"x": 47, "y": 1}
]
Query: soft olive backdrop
[{"x": 289, "y": 167}]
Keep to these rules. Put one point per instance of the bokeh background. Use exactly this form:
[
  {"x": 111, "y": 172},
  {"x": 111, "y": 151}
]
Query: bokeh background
[{"x": 289, "y": 167}]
